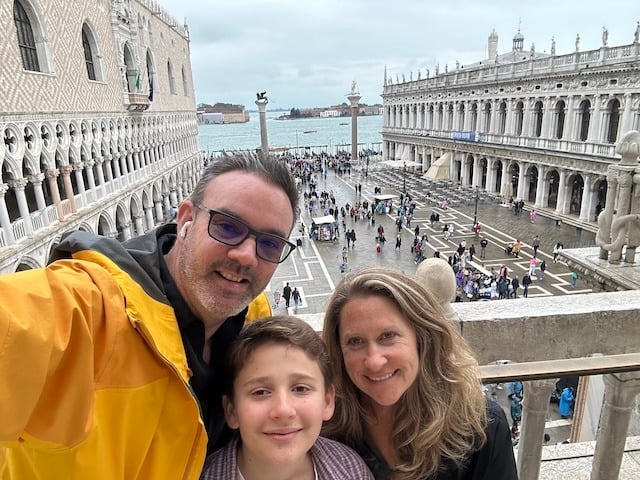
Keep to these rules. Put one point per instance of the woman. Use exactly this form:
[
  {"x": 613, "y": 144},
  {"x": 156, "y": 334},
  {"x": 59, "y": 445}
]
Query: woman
[{"x": 409, "y": 397}]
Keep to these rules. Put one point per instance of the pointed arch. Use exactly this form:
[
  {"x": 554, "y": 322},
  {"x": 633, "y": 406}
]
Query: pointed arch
[{"x": 92, "y": 57}]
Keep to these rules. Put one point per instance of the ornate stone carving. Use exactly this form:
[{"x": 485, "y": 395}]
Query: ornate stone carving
[{"x": 621, "y": 228}]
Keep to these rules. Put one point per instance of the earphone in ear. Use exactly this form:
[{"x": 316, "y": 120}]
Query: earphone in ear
[{"x": 185, "y": 227}]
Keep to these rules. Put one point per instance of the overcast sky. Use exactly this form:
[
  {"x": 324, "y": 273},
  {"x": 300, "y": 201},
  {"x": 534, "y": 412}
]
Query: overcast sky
[{"x": 306, "y": 53}]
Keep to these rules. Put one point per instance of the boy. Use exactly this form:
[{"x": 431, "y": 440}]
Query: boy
[{"x": 280, "y": 390}]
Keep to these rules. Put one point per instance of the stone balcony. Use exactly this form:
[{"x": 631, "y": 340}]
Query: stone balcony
[{"x": 545, "y": 338}]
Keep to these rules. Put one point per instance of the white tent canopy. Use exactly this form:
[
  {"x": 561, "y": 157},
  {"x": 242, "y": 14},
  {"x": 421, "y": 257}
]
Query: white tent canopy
[
  {"x": 322, "y": 220},
  {"x": 401, "y": 164},
  {"x": 439, "y": 170}
]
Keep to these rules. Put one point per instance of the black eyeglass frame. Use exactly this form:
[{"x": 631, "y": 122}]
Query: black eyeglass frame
[{"x": 250, "y": 231}]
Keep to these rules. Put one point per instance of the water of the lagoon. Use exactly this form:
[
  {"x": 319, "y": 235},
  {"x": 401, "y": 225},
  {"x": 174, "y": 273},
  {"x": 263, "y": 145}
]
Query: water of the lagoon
[{"x": 323, "y": 134}]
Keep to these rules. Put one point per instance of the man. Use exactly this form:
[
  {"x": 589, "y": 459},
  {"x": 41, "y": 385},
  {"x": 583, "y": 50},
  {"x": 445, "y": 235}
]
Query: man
[
  {"x": 515, "y": 284},
  {"x": 286, "y": 293},
  {"x": 535, "y": 244},
  {"x": 526, "y": 281},
  {"x": 483, "y": 247},
  {"x": 111, "y": 358}
]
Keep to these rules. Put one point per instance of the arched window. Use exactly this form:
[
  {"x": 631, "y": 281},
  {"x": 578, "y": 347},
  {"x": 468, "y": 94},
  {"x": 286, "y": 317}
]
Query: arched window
[
  {"x": 537, "y": 118},
  {"x": 487, "y": 117},
  {"x": 519, "y": 118},
  {"x": 559, "y": 119},
  {"x": 92, "y": 56},
  {"x": 172, "y": 80},
  {"x": 26, "y": 39},
  {"x": 88, "y": 56},
  {"x": 585, "y": 117},
  {"x": 151, "y": 75},
  {"x": 502, "y": 118},
  {"x": 185, "y": 88},
  {"x": 614, "y": 120}
]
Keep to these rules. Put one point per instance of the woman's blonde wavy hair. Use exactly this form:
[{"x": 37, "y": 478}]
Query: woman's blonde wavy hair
[{"x": 444, "y": 412}]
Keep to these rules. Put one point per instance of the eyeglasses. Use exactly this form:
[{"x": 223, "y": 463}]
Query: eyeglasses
[{"x": 231, "y": 231}]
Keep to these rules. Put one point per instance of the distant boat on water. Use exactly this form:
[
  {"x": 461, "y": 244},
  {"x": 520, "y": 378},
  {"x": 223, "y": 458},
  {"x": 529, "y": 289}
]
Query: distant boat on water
[
  {"x": 344, "y": 123},
  {"x": 310, "y": 131}
]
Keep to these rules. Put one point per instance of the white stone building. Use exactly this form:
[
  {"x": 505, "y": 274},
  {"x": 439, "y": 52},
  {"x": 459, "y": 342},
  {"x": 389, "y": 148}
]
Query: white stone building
[
  {"x": 98, "y": 122},
  {"x": 539, "y": 127}
]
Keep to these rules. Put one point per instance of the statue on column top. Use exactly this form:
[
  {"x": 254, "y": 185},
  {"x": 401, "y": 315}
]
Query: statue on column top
[{"x": 354, "y": 87}]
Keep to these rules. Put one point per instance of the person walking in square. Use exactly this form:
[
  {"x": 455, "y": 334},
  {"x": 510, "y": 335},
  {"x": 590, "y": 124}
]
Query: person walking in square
[
  {"x": 297, "y": 299},
  {"x": 483, "y": 247},
  {"x": 535, "y": 244},
  {"x": 515, "y": 284},
  {"x": 286, "y": 294},
  {"x": 574, "y": 279},
  {"x": 526, "y": 281},
  {"x": 543, "y": 268}
]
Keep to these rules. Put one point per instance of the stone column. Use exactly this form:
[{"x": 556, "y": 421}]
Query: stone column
[
  {"x": 148, "y": 212},
  {"x": 621, "y": 390},
  {"x": 540, "y": 187},
  {"x": 262, "y": 112},
  {"x": 354, "y": 98},
  {"x": 604, "y": 222},
  {"x": 36, "y": 181},
  {"x": 18, "y": 186},
  {"x": 594, "y": 135},
  {"x": 521, "y": 181},
  {"x": 562, "y": 193},
  {"x": 627, "y": 115},
  {"x": 526, "y": 118},
  {"x": 68, "y": 187},
  {"x": 139, "y": 227},
  {"x": 77, "y": 171},
  {"x": 570, "y": 120},
  {"x": 5, "y": 221},
  {"x": 585, "y": 205},
  {"x": 92, "y": 181},
  {"x": 52, "y": 178},
  {"x": 535, "y": 405}
]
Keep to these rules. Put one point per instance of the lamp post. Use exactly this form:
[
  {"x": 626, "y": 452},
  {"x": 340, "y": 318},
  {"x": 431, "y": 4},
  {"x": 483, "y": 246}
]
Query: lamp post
[
  {"x": 404, "y": 177},
  {"x": 476, "y": 194}
]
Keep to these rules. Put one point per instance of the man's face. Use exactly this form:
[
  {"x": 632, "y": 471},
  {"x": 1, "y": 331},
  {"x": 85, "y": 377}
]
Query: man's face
[{"x": 219, "y": 280}]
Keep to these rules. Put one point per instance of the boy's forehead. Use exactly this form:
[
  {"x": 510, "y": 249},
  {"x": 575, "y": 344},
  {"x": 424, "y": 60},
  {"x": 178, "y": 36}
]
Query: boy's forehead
[{"x": 279, "y": 359}]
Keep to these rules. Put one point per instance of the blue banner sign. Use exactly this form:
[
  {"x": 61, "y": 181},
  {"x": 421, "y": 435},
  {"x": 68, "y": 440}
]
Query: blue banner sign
[{"x": 467, "y": 136}]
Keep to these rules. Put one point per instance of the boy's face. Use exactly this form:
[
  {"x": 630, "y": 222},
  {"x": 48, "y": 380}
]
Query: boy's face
[{"x": 280, "y": 401}]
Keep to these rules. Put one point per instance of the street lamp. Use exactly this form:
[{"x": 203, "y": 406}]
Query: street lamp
[
  {"x": 476, "y": 194},
  {"x": 404, "y": 177}
]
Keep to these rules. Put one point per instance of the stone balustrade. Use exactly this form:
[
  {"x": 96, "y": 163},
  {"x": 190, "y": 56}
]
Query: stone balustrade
[{"x": 544, "y": 334}]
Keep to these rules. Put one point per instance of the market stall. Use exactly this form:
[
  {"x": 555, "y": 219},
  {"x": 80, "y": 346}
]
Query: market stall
[
  {"x": 323, "y": 228},
  {"x": 384, "y": 202}
]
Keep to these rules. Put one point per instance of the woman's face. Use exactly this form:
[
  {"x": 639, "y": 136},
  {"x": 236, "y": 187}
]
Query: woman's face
[{"x": 379, "y": 348}]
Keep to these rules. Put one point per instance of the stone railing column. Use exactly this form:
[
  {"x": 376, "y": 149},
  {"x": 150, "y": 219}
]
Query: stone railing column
[
  {"x": 621, "y": 390},
  {"x": 139, "y": 227},
  {"x": 52, "y": 178},
  {"x": 535, "y": 405},
  {"x": 18, "y": 186},
  {"x": 159, "y": 211},
  {"x": 5, "y": 220},
  {"x": 68, "y": 187},
  {"x": 148, "y": 212},
  {"x": 91, "y": 180},
  {"x": 36, "y": 181}
]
